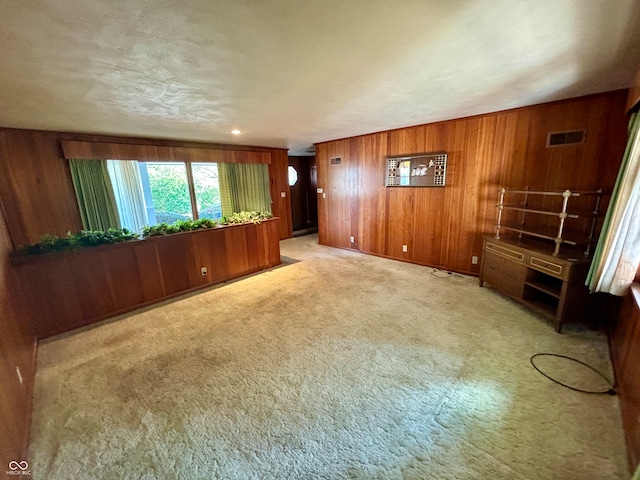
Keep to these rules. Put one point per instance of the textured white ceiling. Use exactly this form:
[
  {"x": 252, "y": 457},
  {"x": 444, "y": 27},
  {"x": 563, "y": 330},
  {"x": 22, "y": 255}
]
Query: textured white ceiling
[{"x": 291, "y": 73}]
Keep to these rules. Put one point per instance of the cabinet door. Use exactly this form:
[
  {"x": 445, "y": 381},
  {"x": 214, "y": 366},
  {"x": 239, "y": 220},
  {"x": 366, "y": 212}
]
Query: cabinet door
[
  {"x": 512, "y": 279},
  {"x": 491, "y": 267}
]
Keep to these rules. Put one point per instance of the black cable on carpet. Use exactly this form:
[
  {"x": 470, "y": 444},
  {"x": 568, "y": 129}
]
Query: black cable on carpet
[{"x": 610, "y": 390}]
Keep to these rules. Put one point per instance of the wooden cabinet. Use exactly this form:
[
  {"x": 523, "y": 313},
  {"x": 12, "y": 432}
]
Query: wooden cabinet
[
  {"x": 552, "y": 285},
  {"x": 540, "y": 253},
  {"x": 505, "y": 274}
]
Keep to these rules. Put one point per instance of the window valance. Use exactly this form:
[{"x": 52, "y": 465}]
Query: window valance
[{"x": 151, "y": 153}]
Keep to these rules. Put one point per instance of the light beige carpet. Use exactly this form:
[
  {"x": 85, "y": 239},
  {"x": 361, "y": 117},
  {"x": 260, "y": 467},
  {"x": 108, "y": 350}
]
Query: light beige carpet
[{"x": 340, "y": 365}]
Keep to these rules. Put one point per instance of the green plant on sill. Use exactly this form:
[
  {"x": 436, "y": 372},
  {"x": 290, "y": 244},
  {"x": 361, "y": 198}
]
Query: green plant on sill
[
  {"x": 178, "y": 226},
  {"x": 202, "y": 223},
  {"x": 246, "y": 217},
  {"x": 159, "y": 229},
  {"x": 84, "y": 238},
  {"x": 91, "y": 238}
]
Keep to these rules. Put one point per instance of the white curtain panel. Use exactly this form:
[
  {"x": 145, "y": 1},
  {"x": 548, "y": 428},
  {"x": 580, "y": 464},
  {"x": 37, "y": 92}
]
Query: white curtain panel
[
  {"x": 127, "y": 186},
  {"x": 621, "y": 252}
]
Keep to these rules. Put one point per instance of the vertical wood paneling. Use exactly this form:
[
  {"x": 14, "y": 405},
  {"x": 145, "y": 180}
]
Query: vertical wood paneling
[
  {"x": 35, "y": 183},
  {"x": 625, "y": 353},
  {"x": 253, "y": 245},
  {"x": 217, "y": 247},
  {"x": 68, "y": 290},
  {"x": 272, "y": 248},
  {"x": 91, "y": 284},
  {"x": 148, "y": 266},
  {"x": 444, "y": 226},
  {"x": 57, "y": 281},
  {"x": 121, "y": 269},
  {"x": 279, "y": 183},
  {"x": 336, "y": 203},
  {"x": 400, "y": 222},
  {"x": 177, "y": 262},
  {"x": 17, "y": 349},
  {"x": 371, "y": 236},
  {"x": 325, "y": 225},
  {"x": 201, "y": 258},
  {"x": 236, "y": 243}
]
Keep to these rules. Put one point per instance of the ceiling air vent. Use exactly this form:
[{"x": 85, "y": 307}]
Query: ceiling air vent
[
  {"x": 336, "y": 160},
  {"x": 572, "y": 137}
]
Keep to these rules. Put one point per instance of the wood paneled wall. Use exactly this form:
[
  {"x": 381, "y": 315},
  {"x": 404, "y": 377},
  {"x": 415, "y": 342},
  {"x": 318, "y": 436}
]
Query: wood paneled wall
[
  {"x": 36, "y": 186},
  {"x": 279, "y": 178},
  {"x": 67, "y": 290},
  {"x": 443, "y": 227},
  {"x": 35, "y": 181},
  {"x": 17, "y": 350},
  {"x": 625, "y": 353}
]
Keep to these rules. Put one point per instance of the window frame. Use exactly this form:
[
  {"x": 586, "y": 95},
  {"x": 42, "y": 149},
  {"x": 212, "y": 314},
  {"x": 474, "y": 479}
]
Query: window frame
[{"x": 190, "y": 182}]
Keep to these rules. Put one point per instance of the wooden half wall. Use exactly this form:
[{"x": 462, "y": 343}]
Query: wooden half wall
[
  {"x": 36, "y": 186},
  {"x": 67, "y": 290},
  {"x": 443, "y": 227}
]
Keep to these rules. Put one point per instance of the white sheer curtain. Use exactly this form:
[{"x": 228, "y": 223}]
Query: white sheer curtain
[
  {"x": 619, "y": 244},
  {"x": 127, "y": 186}
]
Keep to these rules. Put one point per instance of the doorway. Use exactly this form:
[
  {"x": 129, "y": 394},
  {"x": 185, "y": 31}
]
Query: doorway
[{"x": 304, "y": 203}]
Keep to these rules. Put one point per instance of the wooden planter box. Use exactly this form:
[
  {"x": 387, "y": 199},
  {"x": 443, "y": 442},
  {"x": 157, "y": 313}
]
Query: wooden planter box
[{"x": 67, "y": 290}]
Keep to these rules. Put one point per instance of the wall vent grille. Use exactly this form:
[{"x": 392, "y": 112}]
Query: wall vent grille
[
  {"x": 572, "y": 137},
  {"x": 336, "y": 160}
]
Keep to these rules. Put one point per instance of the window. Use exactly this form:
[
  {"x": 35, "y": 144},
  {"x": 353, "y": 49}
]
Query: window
[
  {"x": 207, "y": 190},
  {"x": 149, "y": 193},
  {"x": 166, "y": 191},
  {"x": 293, "y": 176}
]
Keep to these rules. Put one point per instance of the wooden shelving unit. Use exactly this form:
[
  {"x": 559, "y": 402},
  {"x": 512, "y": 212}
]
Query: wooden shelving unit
[
  {"x": 543, "y": 264},
  {"x": 555, "y": 233}
]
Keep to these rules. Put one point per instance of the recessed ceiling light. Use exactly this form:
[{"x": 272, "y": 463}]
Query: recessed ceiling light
[{"x": 235, "y": 131}]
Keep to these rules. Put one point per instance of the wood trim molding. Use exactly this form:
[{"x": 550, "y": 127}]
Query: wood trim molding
[{"x": 159, "y": 153}]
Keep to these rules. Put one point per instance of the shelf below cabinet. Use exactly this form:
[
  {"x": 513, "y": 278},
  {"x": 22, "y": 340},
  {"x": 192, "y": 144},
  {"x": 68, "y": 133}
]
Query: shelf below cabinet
[
  {"x": 541, "y": 301},
  {"x": 542, "y": 288},
  {"x": 528, "y": 272}
]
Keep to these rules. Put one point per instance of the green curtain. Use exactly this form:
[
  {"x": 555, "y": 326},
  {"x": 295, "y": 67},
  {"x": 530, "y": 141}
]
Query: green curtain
[
  {"x": 244, "y": 187},
  {"x": 94, "y": 192},
  {"x": 619, "y": 199}
]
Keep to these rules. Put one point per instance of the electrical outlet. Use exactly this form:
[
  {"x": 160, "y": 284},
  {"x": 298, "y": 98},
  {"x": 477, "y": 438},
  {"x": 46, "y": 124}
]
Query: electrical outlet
[
  {"x": 404, "y": 248},
  {"x": 283, "y": 194},
  {"x": 474, "y": 260},
  {"x": 203, "y": 271},
  {"x": 19, "y": 374},
  {"x": 352, "y": 239}
]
